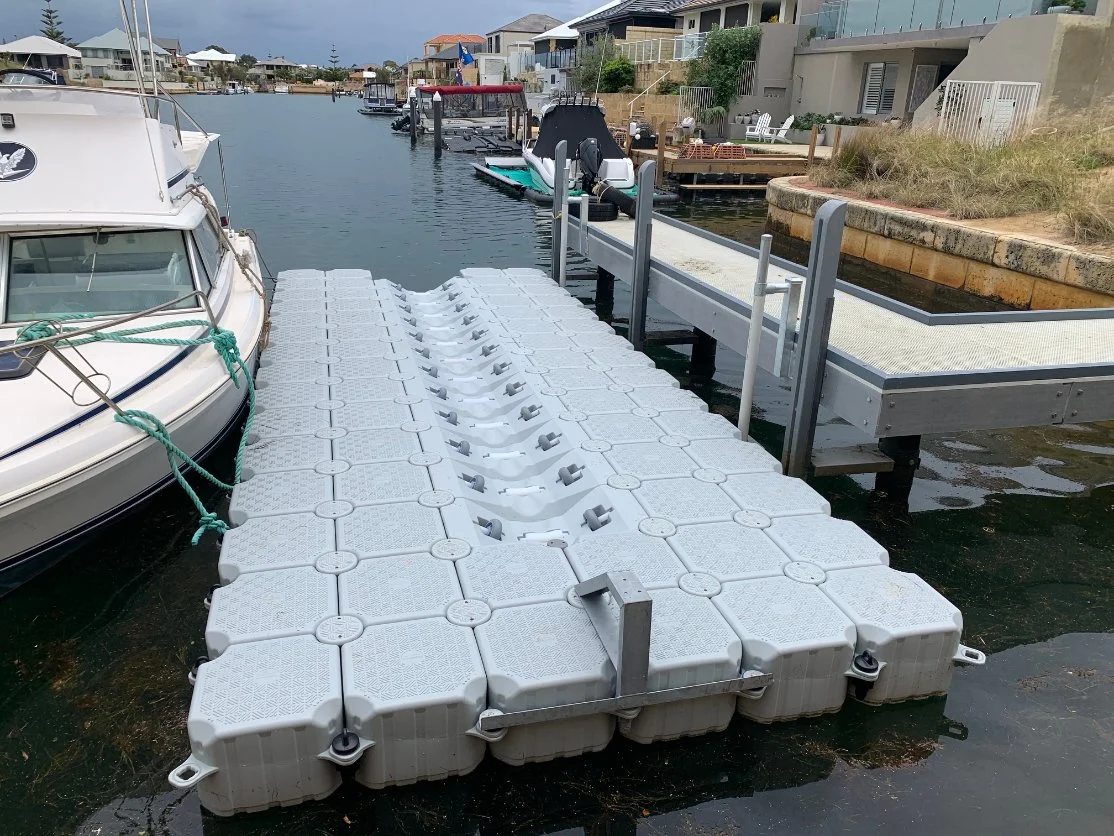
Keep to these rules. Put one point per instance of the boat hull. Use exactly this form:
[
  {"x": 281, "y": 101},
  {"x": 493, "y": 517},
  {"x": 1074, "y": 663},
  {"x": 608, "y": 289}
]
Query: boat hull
[{"x": 42, "y": 527}]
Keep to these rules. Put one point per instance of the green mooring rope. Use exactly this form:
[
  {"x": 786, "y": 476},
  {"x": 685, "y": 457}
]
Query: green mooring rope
[{"x": 224, "y": 342}]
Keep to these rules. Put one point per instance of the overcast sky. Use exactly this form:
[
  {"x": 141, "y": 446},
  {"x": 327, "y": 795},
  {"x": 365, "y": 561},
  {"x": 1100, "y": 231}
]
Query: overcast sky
[{"x": 363, "y": 30}]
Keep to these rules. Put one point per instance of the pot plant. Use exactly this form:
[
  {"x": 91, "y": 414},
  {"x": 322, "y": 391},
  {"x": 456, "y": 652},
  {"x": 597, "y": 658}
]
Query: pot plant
[{"x": 713, "y": 116}]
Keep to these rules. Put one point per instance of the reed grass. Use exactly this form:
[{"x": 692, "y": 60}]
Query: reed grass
[{"x": 1061, "y": 167}]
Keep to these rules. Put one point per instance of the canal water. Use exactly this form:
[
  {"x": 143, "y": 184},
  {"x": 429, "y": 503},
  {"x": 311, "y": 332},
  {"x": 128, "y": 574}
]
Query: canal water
[{"x": 1015, "y": 527}]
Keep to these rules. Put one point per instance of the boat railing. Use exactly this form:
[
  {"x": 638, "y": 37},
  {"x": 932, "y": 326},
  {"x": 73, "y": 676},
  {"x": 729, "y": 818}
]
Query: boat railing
[
  {"x": 26, "y": 349},
  {"x": 146, "y": 97}
]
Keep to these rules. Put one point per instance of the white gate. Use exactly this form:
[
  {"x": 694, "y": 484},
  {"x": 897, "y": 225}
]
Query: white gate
[
  {"x": 692, "y": 100},
  {"x": 987, "y": 112}
]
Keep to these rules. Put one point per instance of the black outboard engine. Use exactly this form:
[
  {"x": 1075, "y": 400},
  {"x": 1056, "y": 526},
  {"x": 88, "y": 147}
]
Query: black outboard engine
[
  {"x": 591, "y": 161},
  {"x": 401, "y": 124}
]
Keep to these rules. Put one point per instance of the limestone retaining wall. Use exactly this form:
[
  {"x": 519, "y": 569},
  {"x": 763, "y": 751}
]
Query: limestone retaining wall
[{"x": 1022, "y": 272}]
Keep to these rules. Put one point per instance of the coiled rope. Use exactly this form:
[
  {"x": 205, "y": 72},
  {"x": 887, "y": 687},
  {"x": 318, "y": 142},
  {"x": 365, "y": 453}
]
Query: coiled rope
[{"x": 223, "y": 341}]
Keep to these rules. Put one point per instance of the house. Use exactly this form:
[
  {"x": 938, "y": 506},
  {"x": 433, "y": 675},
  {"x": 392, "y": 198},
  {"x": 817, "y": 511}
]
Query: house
[
  {"x": 109, "y": 57},
  {"x": 554, "y": 53},
  {"x": 517, "y": 36},
  {"x": 889, "y": 59},
  {"x": 272, "y": 68},
  {"x": 765, "y": 84},
  {"x": 171, "y": 45},
  {"x": 209, "y": 58},
  {"x": 39, "y": 53},
  {"x": 440, "y": 68},
  {"x": 616, "y": 20},
  {"x": 473, "y": 43},
  {"x": 704, "y": 15}
]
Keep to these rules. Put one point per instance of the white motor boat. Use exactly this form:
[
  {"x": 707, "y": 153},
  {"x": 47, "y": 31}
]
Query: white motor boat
[
  {"x": 282, "y": 88},
  {"x": 105, "y": 228},
  {"x": 574, "y": 122}
]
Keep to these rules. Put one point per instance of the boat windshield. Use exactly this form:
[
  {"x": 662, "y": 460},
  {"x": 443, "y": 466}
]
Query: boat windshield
[{"x": 95, "y": 273}]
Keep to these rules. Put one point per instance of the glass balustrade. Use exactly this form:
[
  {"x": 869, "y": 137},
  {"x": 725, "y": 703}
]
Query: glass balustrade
[{"x": 858, "y": 18}]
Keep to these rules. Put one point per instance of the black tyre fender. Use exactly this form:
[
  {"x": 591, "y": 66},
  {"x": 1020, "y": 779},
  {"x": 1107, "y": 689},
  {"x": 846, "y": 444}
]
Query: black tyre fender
[{"x": 597, "y": 210}]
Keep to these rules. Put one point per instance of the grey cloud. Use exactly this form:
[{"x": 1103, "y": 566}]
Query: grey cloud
[{"x": 303, "y": 32}]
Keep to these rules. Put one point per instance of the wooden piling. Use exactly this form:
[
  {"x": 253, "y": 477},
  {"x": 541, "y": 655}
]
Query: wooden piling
[
  {"x": 835, "y": 142},
  {"x": 510, "y": 124},
  {"x": 812, "y": 144},
  {"x": 528, "y": 132}
]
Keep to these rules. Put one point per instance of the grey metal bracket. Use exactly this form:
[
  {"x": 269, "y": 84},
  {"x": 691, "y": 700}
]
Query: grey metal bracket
[
  {"x": 627, "y": 642},
  {"x": 751, "y": 685}
]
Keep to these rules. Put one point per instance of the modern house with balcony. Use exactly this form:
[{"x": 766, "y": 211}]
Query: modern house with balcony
[
  {"x": 108, "y": 57},
  {"x": 885, "y": 59}
]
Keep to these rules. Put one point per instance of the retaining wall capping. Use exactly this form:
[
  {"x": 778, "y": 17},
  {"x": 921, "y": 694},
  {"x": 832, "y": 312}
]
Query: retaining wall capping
[{"x": 1023, "y": 272}]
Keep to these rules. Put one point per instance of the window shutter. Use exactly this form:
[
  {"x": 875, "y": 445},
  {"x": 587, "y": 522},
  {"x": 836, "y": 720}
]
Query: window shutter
[
  {"x": 889, "y": 88},
  {"x": 875, "y": 74}
]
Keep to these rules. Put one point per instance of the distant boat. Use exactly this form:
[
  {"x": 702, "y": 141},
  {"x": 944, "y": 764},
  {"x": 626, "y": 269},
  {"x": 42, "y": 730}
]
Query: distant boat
[
  {"x": 379, "y": 100},
  {"x": 282, "y": 88}
]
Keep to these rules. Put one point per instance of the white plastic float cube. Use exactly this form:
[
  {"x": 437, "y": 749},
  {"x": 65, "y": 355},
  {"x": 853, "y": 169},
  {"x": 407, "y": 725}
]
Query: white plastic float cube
[
  {"x": 269, "y": 605},
  {"x": 540, "y": 656},
  {"x": 260, "y": 716},
  {"x": 515, "y": 573},
  {"x": 791, "y": 630},
  {"x": 415, "y": 689},
  {"x": 690, "y": 644},
  {"x": 911, "y": 630},
  {"x": 274, "y": 543}
]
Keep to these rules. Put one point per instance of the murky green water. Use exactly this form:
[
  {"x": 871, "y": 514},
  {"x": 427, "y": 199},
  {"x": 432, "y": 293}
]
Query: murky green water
[{"x": 1015, "y": 527}]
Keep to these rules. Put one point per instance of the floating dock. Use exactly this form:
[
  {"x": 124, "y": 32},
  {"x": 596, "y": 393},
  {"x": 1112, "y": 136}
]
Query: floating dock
[
  {"x": 889, "y": 369},
  {"x": 474, "y": 520}
]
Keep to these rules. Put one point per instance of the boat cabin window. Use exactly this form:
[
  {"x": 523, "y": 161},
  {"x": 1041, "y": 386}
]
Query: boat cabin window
[
  {"x": 96, "y": 273},
  {"x": 208, "y": 245}
]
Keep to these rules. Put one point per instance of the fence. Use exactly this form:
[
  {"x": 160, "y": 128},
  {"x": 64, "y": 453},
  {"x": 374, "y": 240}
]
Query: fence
[
  {"x": 987, "y": 112},
  {"x": 692, "y": 100},
  {"x": 560, "y": 59},
  {"x": 658, "y": 50},
  {"x": 746, "y": 78}
]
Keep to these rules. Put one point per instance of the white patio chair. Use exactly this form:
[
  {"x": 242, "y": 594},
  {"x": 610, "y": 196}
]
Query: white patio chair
[
  {"x": 779, "y": 135},
  {"x": 759, "y": 129}
]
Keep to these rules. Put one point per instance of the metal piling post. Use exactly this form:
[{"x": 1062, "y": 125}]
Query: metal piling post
[
  {"x": 754, "y": 337},
  {"x": 413, "y": 116},
  {"x": 560, "y": 198},
  {"x": 640, "y": 266},
  {"x": 816, "y": 323},
  {"x": 437, "y": 108}
]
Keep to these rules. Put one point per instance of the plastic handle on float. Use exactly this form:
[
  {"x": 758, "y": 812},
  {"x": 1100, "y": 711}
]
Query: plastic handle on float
[
  {"x": 969, "y": 656},
  {"x": 190, "y": 773}
]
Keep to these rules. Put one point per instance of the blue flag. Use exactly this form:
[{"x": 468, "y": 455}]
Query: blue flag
[{"x": 465, "y": 56}]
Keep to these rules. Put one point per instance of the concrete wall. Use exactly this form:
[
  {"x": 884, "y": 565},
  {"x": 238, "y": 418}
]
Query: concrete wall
[
  {"x": 1074, "y": 83},
  {"x": 1023, "y": 272},
  {"x": 773, "y": 73},
  {"x": 657, "y": 108},
  {"x": 1071, "y": 56},
  {"x": 831, "y": 82}
]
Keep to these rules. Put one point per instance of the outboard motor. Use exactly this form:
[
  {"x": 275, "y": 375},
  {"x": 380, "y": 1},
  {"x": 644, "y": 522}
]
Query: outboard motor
[
  {"x": 591, "y": 158},
  {"x": 402, "y": 123},
  {"x": 591, "y": 161}
]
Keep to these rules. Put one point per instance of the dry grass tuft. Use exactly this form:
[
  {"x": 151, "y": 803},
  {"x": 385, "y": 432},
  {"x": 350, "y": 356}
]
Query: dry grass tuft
[{"x": 1058, "y": 167}]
